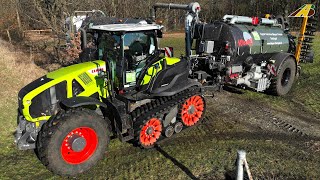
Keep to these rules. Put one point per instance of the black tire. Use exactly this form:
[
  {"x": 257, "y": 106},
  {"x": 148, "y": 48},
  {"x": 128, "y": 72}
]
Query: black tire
[
  {"x": 52, "y": 137},
  {"x": 282, "y": 83}
]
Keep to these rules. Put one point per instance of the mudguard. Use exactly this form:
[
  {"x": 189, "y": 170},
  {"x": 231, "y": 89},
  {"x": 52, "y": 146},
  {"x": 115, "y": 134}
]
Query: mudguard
[
  {"x": 115, "y": 111},
  {"x": 280, "y": 57}
]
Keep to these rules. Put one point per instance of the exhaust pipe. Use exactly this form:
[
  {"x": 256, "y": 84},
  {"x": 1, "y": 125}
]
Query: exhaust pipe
[
  {"x": 192, "y": 16},
  {"x": 192, "y": 8}
]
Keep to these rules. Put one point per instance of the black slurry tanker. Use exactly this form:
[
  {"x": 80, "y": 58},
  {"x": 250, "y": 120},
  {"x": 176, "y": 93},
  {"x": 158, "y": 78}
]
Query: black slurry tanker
[{"x": 250, "y": 52}]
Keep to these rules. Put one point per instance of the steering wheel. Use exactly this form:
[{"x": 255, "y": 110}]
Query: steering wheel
[{"x": 136, "y": 48}]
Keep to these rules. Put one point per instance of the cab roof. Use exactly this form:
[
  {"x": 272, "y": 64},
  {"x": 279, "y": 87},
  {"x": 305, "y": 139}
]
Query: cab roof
[{"x": 127, "y": 27}]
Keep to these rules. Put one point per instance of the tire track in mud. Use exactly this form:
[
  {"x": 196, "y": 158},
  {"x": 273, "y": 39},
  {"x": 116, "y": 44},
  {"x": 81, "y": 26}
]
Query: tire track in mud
[
  {"x": 263, "y": 112},
  {"x": 207, "y": 128},
  {"x": 288, "y": 127},
  {"x": 280, "y": 123}
]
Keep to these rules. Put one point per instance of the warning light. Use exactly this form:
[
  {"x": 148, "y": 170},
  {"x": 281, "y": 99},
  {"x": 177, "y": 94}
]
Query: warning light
[
  {"x": 255, "y": 21},
  {"x": 227, "y": 46}
]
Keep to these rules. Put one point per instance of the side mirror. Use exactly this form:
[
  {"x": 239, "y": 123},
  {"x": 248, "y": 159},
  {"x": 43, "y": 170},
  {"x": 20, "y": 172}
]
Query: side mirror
[{"x": 159, "y": 34}]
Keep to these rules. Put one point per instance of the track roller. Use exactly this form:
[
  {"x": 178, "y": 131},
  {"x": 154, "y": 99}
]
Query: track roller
[
  {"x": 169, "y": 131},
  {"x": 178, "y": 127}
]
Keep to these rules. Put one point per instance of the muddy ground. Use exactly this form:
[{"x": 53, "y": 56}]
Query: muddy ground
[
  {"x": 233, "y": 116},
  {"x": 258, "y": 116}
]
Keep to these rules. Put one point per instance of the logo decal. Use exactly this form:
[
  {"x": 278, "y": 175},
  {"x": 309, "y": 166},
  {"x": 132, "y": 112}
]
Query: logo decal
[
  {"x": 256, "y": 35},
  {"x": 306, "y": 10},
  {"x": 96, "y": 71},
  {"x": 246, "y": 41}
]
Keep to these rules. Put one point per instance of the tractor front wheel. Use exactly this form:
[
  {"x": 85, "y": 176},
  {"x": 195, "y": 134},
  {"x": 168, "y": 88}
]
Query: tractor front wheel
[{"x": 73, "y": 143}]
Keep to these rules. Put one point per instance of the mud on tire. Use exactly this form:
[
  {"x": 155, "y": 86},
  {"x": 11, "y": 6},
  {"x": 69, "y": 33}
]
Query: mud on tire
[
  {"x": 73, "y": 143},
  {"x": 282, "y": 83}
]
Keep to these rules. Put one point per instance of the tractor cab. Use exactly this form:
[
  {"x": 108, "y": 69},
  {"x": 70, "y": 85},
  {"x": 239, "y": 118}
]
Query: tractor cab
[
  {"x": 135, "y": 66},
  {"x": 125, "y": 48}
]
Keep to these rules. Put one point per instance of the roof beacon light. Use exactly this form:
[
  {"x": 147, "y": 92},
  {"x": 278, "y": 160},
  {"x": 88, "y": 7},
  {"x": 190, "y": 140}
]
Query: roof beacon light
[{"x": 255, "y": 21}]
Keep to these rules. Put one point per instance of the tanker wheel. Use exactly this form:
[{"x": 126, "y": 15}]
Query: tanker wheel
[
  {"x": 284, "y": 80},
  {"x": 192, "y": 110},
  {"x": 150, "y": 132},
  {"x": 73, "y": 143}
]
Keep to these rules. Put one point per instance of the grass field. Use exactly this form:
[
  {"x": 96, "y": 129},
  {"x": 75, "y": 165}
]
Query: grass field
[{"x": 207, "y": 151}]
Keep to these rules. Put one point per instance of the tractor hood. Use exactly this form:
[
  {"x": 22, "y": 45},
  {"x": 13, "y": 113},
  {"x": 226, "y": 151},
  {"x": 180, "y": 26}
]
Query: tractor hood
[
  {"x": 91, "y": 68},
  {"x": 38, "y": 100}
]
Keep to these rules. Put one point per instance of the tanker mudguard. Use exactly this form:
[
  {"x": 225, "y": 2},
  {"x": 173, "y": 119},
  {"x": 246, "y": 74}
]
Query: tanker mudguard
[
  {"x": 280, "y": 57},
  {"x": 81, "y": 101}
]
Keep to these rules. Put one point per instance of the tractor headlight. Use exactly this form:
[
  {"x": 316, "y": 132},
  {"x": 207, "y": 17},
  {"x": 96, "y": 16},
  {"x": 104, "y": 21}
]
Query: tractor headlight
[{"x": 28, "y": 102}]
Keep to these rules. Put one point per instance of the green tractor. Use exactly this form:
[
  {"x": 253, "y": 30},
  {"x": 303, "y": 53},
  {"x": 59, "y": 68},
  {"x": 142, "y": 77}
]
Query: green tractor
[{"x": 133, "y": 93}]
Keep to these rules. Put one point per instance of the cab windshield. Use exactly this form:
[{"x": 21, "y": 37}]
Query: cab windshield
[
  {"x": 139, "y": 43},
  {"x": 131, "y": 47},
  {"x": 137, "y": 46}
]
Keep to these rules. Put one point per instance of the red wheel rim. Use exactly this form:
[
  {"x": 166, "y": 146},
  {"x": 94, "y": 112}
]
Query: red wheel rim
[
  {"x": 150, "y": 132},
  {"x": 192, "y": 110},
  {"x": 73, "y": 150}
]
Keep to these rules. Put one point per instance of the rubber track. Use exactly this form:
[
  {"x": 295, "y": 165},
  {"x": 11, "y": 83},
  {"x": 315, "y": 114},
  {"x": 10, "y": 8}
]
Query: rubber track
[
  {"x": 203, "y": 130},
  {"x": 158, "y": 108}
]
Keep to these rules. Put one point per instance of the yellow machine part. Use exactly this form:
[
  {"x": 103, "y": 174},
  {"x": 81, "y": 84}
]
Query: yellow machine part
[
  {"x": 301, "y": 38},
  {"x": 305, "y": 11}
]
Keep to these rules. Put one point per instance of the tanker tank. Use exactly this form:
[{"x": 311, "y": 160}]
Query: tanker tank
[
  {"x": 241, "y": 40},
  {"x": 246, "y": 51}
]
